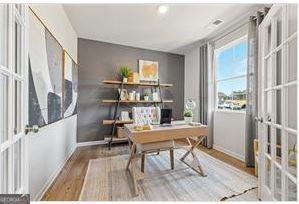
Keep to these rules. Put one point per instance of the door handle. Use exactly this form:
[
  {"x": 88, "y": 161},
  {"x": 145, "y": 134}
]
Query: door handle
[
  {"x": 259, "y": 119},
  {"x": 33, "y": 128}
]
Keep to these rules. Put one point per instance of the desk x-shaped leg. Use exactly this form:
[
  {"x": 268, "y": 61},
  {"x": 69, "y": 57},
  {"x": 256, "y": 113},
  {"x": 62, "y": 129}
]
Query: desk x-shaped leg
[{"x": 197, "y": 166}]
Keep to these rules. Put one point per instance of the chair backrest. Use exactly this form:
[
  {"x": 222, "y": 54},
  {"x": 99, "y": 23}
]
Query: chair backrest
[{"x": 146, "y": 115}]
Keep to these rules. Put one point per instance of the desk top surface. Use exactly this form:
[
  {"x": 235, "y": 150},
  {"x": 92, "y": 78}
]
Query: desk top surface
[{"x": 176, "y": 125}]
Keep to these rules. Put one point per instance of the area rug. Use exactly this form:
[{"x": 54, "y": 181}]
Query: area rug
[{"x": 107, "y": 180}]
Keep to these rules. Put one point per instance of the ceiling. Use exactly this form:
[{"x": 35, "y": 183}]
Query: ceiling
[{"x": 140, "y": 25}]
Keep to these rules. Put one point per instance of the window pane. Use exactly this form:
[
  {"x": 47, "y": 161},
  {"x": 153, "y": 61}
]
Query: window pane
[
  {"x": 4, "y": 172},
  {"x": 268, "y": 146},
  {"x": 292, "y": 107},
  {"x": 232, "y": 61},
  {"x": 17, "y": 48},
  {"x": 232, "y": 94},
  {"x": 277, "y": 183},
  {"x": 278, "y": 106},
  {"x": 292, "y": 154},
  {"x": 3, "y": 108},
  {"x": 269, "y": 39},
  {"x": 292, "y": 18},
  {"x": 268, "y": 72},
  {"x": 278, "y": 145},
  {"x": 278, "y": 67},
  {"x": 279, "y": 29},
  {"x": 292, "y": 60},
  {"x": 267, "y": 172},
  {"x": 17, "y": 107},
  {"x": 3, "y": 35},
  {"x": 291, "y": 190},
  {"x": 17, "y": 165}
]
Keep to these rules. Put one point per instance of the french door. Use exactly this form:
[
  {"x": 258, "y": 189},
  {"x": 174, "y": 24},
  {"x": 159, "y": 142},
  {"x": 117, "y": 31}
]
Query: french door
[
  {"x": 278, "y": 91},
  {"x": 13, "y": 99}
]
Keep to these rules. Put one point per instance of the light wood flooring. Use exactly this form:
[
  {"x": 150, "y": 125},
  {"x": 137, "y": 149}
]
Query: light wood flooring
[{"x": 67, "y": 186}]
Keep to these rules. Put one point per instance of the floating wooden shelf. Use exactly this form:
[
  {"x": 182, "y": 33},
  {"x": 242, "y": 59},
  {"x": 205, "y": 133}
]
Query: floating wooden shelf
[
  {"x": 136, "y": 84},
  {"x": 115, "y": 139},
  {"x": 141, "y": 101},
  {"x": 110, "y": 122}
]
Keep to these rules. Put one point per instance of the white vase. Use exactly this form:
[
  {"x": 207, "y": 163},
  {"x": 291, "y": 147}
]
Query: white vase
[
  {"x": 146, "y": 98},
  {"x": 188, "y": 120},
  {"x": 125, "y": 80}
]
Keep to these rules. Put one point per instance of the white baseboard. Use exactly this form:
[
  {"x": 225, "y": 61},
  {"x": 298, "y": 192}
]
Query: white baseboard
[
  {"x": 51, "y": 179},
  {"x": 230, "y": 153},
  {"x": 82, "y": 144}
]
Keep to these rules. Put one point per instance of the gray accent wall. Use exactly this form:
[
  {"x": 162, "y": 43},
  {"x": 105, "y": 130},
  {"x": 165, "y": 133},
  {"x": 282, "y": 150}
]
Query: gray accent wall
[{"x": 99, "y": 61}]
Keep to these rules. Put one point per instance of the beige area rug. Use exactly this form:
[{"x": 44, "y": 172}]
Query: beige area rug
[{"x": 107, "y": 180}]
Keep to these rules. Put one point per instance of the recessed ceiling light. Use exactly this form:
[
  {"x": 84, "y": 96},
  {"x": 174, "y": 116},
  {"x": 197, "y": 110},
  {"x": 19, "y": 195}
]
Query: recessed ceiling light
[{"x": 163, "y": 9}]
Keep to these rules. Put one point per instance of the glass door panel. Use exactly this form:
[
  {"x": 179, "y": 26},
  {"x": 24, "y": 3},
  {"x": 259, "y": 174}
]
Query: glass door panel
[
  {"x": 3, "y": 108},
  {"x": 3, "y": 35},
  {"x": 278, "y": 146},
  {"x": 291, "y": 190},
  {"x": 277, "y": 183},
  {"x": 292, "y": 15},
  {"x": 4, "y": 170},
  {"x": 292, "y": 154},
  {"x": 292, "y": 60},
  {"x": 291, "y": 107}
]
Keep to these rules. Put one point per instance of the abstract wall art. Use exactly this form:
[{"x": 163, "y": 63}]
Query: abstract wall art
[
  {"x": 148, "y": 70},
  {"x": 70, "y": 86},
  {"x": 45, "y": 74}
]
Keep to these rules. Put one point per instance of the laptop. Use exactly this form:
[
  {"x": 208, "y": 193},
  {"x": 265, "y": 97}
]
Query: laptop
[{"x": 166, "y": 115}]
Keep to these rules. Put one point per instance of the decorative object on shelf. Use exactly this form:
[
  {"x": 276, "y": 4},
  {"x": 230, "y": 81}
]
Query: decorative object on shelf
[
  {"x": 124, "y": 116},
  {"x": 156, "y": 96},
  {"x": 121, "y": 133},
  {"x": 125, "y": 72},
  {"x": 123, "y": 94},
  {"x": 148, "y": 70},
  {"x": 190, "y": 104},
  {"x": 131, "y": 96},
  {"x": 146, "y": 97},
  {"x": 188, "y": 115},
  {"x": 137, "y": 96},
  {"x": 133, "y": 77}
]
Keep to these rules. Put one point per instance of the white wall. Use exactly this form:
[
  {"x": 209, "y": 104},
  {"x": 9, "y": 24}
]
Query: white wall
[
  {"x": 54, "y": 143},
  {"x": 229, "y": 133},
  {"x": 192, "y": 78}
]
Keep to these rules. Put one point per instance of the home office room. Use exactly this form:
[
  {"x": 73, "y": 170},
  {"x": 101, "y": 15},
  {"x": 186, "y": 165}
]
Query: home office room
[{"x": 148, "y": 101}]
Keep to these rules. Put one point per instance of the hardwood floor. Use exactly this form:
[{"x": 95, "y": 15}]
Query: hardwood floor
[{"x": 67, "y": 186}]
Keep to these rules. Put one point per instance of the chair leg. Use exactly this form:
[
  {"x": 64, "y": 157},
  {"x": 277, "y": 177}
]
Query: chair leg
[
  {"x": 142, "y": 162},
  {"x": 171, "y": 158}
]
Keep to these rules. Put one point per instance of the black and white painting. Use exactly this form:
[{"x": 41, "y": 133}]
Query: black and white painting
[
  {"x": 70, "y": 86},
  {"x": 45, "y": 75}
]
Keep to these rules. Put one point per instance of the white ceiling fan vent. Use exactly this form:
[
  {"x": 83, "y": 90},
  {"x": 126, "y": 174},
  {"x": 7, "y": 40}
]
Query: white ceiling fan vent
[{"x": 217, "y": 22}]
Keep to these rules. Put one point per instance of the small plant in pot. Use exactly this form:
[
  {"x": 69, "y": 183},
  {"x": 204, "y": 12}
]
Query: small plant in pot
[
  {"x": 146, "y": 96},
  {"x": 125, "y": 72},
  {"x": 188, "y": 115}
]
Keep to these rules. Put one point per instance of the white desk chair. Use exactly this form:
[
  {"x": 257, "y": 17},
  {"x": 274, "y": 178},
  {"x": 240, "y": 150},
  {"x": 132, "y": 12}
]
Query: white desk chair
[{"x": 151, "y": 115}]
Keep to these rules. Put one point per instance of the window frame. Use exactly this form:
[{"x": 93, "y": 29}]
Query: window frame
[{"x": 216, "y": 80}]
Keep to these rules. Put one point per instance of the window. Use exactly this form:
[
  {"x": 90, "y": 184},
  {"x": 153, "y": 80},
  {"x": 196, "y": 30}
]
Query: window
[{"x": 231, "y": 67}]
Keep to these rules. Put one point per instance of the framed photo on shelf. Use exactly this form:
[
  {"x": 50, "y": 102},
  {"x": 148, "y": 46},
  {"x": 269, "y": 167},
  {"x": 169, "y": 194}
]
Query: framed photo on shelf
[{"x": 148, "y": 71}]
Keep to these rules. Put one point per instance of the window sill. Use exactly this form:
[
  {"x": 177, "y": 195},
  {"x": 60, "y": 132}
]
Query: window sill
[{"x": 230, "y": 111}]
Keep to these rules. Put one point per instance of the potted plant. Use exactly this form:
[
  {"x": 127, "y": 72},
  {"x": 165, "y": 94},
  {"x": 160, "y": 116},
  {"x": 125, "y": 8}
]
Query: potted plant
[
  {"x": 188, "y": 115},
  {"x": 146, "y": 96},
  {"x": 125, "y": 72}
]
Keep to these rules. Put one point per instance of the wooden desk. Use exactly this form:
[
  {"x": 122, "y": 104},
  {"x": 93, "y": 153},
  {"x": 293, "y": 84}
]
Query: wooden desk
[{"x": 165, "y": 133}]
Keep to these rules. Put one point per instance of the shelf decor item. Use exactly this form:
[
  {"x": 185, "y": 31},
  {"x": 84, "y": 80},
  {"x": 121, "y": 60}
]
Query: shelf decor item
[
  {"x": 137, "y": 96},
  {"x": 148, "y": 71},
  {"x": 123, "y": 94},
  {"x": 188, "y": 116},
  {"x": 125, "y": 73},
  {"x": 133, "y": 77}
]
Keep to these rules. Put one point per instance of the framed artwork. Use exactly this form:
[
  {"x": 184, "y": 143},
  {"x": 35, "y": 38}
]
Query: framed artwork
[
  {"x": 70, "y": 86},
  {"x": 148, "y": 70},
  {"x": 45, "y": 74}
]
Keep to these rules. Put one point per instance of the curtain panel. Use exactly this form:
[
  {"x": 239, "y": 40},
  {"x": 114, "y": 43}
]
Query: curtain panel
[
  {"x": 206, "y": 90},
  {"x": 252, "y": 86}
]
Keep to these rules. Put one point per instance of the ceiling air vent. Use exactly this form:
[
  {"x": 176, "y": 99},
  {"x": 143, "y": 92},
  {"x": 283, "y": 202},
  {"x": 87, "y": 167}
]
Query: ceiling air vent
[{"x": 217, "y": 22}]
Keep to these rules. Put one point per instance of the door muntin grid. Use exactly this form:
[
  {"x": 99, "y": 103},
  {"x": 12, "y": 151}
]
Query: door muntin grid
[{"x": 279, "y": 108}]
